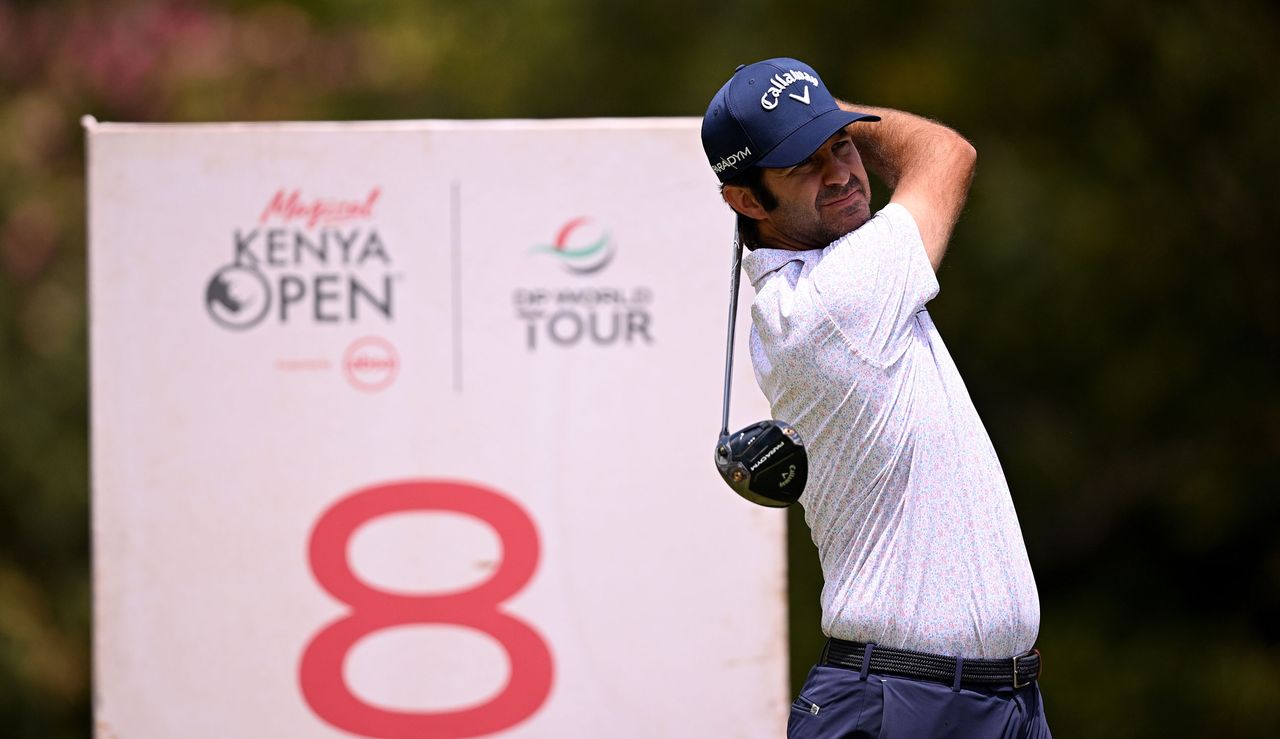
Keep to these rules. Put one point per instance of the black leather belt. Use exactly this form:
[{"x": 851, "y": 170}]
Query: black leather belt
[{"x": 1017, "y": 671}]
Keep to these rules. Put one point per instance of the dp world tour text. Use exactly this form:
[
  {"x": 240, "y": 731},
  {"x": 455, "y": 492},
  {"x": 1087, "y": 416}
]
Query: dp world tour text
[{"x": 600, "y": 316}]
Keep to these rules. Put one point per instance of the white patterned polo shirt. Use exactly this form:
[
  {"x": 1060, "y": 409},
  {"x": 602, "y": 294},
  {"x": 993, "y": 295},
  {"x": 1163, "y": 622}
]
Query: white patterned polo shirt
[{"x": 906, "y": 500}]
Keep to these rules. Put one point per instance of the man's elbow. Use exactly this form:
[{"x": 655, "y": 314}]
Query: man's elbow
[{"x": 965, "y": 156}]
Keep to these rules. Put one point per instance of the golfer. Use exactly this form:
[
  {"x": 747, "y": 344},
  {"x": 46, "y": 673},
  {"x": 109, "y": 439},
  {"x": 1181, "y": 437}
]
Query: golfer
[{"x": 928, "y": 600}]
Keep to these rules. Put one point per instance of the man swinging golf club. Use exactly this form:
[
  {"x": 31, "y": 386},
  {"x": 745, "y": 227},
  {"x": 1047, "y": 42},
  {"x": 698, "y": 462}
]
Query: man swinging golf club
[{"x": 929, "y": 602}]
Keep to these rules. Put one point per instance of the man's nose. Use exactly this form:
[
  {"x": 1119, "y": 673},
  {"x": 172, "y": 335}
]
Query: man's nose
[{"x": 834, "y": 171}]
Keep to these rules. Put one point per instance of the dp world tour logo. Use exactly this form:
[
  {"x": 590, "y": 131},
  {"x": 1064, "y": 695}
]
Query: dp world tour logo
[
  {"x": 581, "y": 250},
  {"x": 586, "y": 313}
]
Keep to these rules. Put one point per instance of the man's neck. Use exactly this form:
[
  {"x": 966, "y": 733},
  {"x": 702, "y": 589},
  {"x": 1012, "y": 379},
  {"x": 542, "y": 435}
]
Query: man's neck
[{"x": 771, "y": 238}]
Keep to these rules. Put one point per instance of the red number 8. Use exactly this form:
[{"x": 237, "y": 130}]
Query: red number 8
[{"x": 373, "y": 610}]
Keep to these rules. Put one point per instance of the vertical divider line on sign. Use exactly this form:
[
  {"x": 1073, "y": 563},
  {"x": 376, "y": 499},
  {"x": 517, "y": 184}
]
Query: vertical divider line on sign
[{"x": 455, "y": 239}]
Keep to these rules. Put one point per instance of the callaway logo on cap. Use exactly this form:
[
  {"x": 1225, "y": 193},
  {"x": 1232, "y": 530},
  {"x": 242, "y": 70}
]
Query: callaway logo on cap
[{"x": 773, "y": 113}]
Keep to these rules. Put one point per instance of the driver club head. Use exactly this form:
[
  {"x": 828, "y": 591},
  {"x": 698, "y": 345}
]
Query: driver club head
[{"x": 765, "y": 463}]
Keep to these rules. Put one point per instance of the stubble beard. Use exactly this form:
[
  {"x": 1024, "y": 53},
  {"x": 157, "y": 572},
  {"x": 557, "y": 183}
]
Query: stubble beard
[{"x": 808, "y": 226}]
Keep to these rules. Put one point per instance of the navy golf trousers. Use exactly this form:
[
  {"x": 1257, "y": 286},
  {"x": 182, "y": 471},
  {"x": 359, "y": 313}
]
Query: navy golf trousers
[{"x": 838, "y": 703}]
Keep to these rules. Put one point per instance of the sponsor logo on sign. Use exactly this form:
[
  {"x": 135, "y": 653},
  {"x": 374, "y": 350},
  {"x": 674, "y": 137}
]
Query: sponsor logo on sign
[
  {"x": 584, "y": 313},
  {"x": 371, "y": 364},
  {"x": 585, "y": 253},
  {"x": 314, "y": 260},
  {"x": 780, "y": 82}
]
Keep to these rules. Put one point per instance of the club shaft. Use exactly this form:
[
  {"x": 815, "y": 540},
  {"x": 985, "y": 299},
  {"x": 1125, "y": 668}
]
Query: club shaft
[{"x": 733, "y": 319}]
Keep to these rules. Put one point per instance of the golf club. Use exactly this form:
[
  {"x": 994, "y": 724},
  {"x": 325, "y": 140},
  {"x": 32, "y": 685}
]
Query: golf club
[{"x": 765, "y": 462}]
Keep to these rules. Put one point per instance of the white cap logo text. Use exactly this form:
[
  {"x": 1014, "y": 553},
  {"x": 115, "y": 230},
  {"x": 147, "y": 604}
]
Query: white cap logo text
[
  {"x": 780, "y": 82},
  {"x": 732, "y": 160}
]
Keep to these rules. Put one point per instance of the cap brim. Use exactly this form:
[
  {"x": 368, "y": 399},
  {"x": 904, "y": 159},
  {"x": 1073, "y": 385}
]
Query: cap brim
[{"x": 805, "y": 140}]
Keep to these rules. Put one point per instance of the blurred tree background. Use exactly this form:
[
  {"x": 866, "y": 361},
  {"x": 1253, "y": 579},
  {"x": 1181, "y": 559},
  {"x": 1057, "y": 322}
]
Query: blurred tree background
[{"x": 1110, "y": 295}]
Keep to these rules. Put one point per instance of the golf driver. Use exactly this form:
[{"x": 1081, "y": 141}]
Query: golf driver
[{"x": 764, "y": 462}]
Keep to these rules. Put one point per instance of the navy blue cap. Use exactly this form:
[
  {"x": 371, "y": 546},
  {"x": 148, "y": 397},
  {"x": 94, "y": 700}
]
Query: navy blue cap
[{"x": 773, "y": 113}]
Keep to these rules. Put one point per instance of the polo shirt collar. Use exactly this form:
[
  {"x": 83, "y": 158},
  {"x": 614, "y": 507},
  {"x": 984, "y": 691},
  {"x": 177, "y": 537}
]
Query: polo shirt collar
[{"x": 760, "y": 262}]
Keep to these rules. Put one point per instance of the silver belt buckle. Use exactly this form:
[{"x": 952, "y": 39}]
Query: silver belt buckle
[{"x": 1016, "y": 684}]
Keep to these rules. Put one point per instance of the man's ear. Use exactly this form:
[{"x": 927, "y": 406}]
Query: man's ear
[{"x": 744, "y": 201}]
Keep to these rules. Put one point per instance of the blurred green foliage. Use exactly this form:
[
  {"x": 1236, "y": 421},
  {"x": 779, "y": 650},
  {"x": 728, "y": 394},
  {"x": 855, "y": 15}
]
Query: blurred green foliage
[{"x": 1110, "y": 295}]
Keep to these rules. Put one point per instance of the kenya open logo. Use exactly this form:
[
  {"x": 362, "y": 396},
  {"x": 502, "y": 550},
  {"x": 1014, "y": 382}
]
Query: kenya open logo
[
  {"x": 238, "y": 297},
  {"x": 581, "y": 250},
  {"x": 305, "y": 260}
]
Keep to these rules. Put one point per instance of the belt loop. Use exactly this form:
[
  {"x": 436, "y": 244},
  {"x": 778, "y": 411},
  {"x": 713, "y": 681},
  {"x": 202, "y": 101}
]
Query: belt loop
[
  {"x": 866, "y": 660},
  {"x": 955, "y": 684}
]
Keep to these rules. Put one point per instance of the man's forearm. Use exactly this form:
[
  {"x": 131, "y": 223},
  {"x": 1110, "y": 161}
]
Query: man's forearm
[
  {"x": 902, "y": 143},
  {"x": 928, "y": 166}
]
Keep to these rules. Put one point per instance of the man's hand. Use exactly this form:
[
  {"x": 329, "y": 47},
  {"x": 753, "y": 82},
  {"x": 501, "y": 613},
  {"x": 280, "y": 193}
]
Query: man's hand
[{"x": 928, "y": 166}]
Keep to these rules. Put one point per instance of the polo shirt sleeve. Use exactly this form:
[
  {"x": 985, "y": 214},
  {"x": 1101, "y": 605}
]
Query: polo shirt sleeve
[{"x": 873, "y": 281}]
